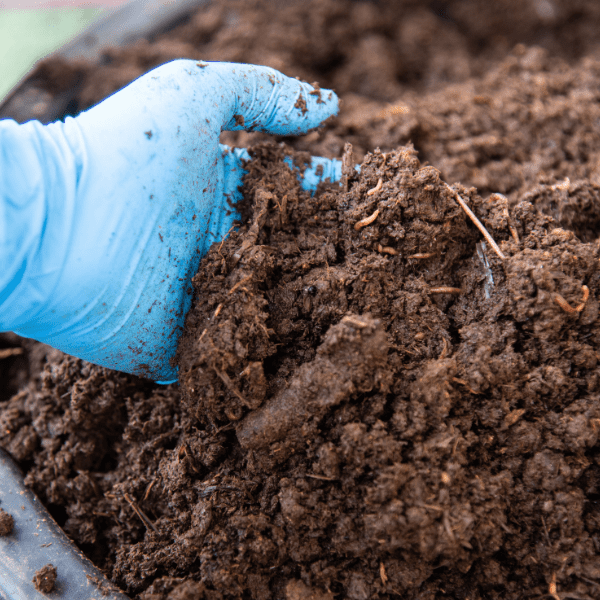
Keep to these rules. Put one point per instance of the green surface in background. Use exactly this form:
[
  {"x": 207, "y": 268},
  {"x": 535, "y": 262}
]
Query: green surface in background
[{"x": 28, "y": 35}]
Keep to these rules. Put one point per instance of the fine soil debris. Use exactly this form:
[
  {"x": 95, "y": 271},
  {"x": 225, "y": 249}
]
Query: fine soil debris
[
  {"x": 44, "y": 579},
  {"x": 373, "y": 403},
  {"x": 7, "y": 523}
]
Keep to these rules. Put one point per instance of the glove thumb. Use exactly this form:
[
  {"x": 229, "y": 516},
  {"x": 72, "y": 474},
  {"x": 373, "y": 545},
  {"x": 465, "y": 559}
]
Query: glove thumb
[{"x": 258, "y": 98}]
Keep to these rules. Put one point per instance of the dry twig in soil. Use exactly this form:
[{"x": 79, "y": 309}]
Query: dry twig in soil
[
  {"x": 444, "y": 289},
  {"x": 376, "y": 188},
  {"x": 387, "y": 250},
  {"x": 138, "y": 511},
  {"x": 567, "y": 307},
  {"x": 477, "y": 223},
  {"x": 367, "y": 221},
  {"x": 8, "y": 352}
]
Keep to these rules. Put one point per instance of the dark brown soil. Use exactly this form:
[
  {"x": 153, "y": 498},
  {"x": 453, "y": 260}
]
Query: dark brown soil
[
  {"x": 44, "y": 579},
  {"x": 6, "y": 523},
  {"x": 378, "y": 411}
]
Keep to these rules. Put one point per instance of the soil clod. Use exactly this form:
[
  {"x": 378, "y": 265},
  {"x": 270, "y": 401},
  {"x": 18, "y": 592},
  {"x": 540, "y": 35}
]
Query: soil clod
[
  {"x": 44, "y": 579},
  {"x": 7, "y": 523}
]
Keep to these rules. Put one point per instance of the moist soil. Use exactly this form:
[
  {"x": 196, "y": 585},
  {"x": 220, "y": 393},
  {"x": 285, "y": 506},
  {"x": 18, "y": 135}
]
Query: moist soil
[{"x": 372, "y": 402}]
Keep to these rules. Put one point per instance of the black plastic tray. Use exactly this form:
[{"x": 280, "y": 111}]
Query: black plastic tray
[
  {"x": 135, "y": 20},
  {"x": 36, "y": 540}
]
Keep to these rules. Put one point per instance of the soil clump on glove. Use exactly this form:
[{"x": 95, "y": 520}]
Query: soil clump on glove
[{"x": 372, "y": 403}]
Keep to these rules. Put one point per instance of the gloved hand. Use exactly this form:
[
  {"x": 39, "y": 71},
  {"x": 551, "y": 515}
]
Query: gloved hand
[{"x": 104, "y": 218}]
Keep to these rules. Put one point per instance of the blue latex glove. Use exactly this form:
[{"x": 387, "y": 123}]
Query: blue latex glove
[{"x": 104, "y": 218}]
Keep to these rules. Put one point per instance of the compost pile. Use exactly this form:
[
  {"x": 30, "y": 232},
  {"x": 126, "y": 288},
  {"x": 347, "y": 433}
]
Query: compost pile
[{"x": 373, "y": 403}]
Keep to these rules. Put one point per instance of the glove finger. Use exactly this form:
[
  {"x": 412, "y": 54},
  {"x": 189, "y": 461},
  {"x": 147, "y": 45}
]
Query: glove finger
[
  {"x": 258, "y": 98},
  {"x": 320, "y": 169}
]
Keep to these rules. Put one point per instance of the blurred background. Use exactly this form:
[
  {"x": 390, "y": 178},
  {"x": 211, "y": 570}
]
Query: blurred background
[{"x": 31, "y": 29}]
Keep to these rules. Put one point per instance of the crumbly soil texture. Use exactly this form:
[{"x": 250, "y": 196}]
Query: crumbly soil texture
[
  {"x": 44, "y": 579},
  {"x": 373, "y": 403}
]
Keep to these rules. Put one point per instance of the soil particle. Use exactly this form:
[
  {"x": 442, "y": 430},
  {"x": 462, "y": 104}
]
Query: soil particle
[
  {"x": 103, "y": 587},
  {"x": 7, "y": 523},
  {"x": 316, "y": 92},
  {"x": 188, "y": 590},
  {"x": 298, "y": 590},
  {"x": 44, "y": 579},
  {"x": 301, "y": 104}
]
